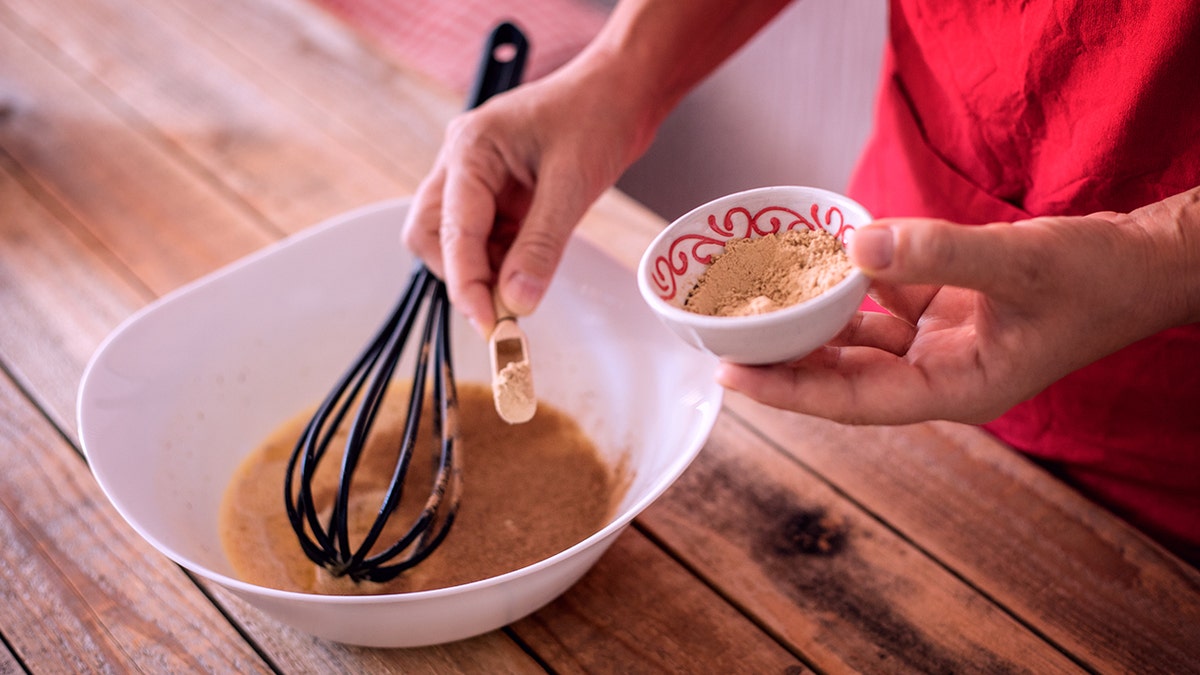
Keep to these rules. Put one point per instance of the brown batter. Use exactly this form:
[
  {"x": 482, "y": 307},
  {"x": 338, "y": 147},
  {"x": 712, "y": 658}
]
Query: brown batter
[
  {"x": 529, "y": 491},
  {"x": 755, "y": 276}
]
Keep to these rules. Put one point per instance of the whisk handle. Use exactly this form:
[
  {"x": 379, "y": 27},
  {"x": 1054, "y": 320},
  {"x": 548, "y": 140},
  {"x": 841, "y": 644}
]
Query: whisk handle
[{"x": 502, "y": 64}]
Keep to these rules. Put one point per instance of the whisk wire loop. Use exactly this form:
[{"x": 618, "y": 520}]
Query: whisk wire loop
[
  {"x": 382, "y": 365},
  {"x": 438, "y": 514},
  {"x": 358, "y": 395}
]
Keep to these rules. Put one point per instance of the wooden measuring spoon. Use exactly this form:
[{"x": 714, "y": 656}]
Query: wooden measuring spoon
[{"x": 512, "y": 376}]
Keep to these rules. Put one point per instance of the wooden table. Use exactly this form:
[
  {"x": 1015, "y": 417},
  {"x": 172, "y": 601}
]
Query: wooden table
[{"x": 144, "y": 144}]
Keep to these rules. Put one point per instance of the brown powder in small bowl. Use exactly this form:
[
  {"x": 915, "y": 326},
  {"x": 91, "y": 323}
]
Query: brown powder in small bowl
[{"x": 756, "y": 276}]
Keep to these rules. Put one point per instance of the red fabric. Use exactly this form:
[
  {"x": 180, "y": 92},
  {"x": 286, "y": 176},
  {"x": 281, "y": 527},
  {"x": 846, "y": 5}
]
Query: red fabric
[
  {"x": 443, "y": 38},
  {"x": 1000, "y": 111}
]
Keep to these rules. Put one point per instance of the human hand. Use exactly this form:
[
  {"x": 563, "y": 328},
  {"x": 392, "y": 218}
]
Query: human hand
[
  {"x": 515, "y": 175},
  {"x": 511, "y": 182},
  {"x": 985, "y": 317}
]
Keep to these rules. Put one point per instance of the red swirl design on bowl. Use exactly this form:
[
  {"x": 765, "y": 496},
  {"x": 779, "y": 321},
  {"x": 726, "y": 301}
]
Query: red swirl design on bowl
[{"x": 737, "y": 223}]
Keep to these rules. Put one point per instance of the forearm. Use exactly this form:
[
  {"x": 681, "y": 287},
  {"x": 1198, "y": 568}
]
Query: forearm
[{"x": 652, "y": 52}]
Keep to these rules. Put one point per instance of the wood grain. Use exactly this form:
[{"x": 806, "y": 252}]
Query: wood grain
[
  {"x": 656, "y": 615},
  {"x": 59, "y": 296},
  {"x": 81, "y": 591},
  {"x": 396, "y": 119},
  {"x": 1131, "y": 603},
  {"x": 291, "y": 651},
  {"x": 130, "y": 192},
  {"x": 826, "y": 577},
  {"x": 9, "y": 665}
]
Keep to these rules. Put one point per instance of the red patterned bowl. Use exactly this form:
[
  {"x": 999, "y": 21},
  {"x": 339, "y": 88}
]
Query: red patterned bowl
[{"x": 682, "y": 252}]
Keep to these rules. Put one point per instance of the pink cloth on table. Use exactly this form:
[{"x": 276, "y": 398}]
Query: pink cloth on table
[{"x": 443, "y": 38}]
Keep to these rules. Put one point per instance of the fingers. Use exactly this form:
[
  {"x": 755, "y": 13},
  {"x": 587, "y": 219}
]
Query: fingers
[
  {"x": 468, "y": 216},
  {"x": 448, "y": 227},
  {"x": 861, "y": 385},
  {"x": 858, "y": 378},
  {"x": 995, "y": 258},
  {"x": 852, "y": 385},
  {"x": 480, "y": 224},
  {"x": 465, "y": 214},
  {"x": 538, "y": 247},
  {"x": 881, "y": 331},
  {"x": 420, "y": 233},
  {"x": 907, "y": 301},
  {"x": 983, "y": 317}
]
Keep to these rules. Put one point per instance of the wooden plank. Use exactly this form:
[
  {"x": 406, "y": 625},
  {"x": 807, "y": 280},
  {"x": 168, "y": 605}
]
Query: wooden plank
[
  {"x": 247, "y": 172},
  {"x": 295, "y": 652},
  {"x": 251, "y": 132},
  {"x": 1095, "y": 587},
  {"x": 828, "y": 579},
  {"x": 56, "y": 309},
  {"x": 129, "y": 191},
  {"x": 9, "y": 665},
  {"x": 639, "y": 609},
  {"x": 398, "y": 114},
  {"x": 79, "y": 591}
]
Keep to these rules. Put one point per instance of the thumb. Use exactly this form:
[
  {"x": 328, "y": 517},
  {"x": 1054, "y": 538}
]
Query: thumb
[{"x": 927, "y": 251}]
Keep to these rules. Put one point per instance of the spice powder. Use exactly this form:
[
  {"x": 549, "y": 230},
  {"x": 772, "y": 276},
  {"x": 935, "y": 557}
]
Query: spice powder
[
  {"x": 756, "y": 276},
  {"x": 529, "y": 491}
]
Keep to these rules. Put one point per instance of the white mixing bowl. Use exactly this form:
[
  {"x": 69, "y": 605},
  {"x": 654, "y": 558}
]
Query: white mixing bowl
[{"x": 178, "y": 395}]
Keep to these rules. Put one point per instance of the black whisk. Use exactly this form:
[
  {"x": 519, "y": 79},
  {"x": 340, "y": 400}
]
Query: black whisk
[{"x": 358, "y": 395}]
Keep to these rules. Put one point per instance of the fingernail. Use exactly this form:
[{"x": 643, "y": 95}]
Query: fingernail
[
  {"x": 722, "y": 375},
  {"x": 872, "y": 248},
  {"x": 523, "y": 292}
]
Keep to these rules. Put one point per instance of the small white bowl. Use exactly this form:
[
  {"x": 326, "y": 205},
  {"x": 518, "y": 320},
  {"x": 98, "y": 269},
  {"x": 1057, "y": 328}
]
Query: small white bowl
[
  {"x": 178, "y": 395},
  {"x": 674, "y": 261}
]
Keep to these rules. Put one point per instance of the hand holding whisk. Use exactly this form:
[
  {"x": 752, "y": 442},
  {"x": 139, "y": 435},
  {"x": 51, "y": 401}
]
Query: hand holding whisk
[{"x": 323, "y": 530}]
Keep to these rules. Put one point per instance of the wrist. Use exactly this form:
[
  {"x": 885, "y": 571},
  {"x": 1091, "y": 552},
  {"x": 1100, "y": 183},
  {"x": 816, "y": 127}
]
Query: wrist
[
  {"x": 1173, "y": 226},
  {"x": 610, "y": 84}
]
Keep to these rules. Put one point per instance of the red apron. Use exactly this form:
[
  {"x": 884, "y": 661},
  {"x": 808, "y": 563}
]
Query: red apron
[{"x": 988, "y": 112}]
